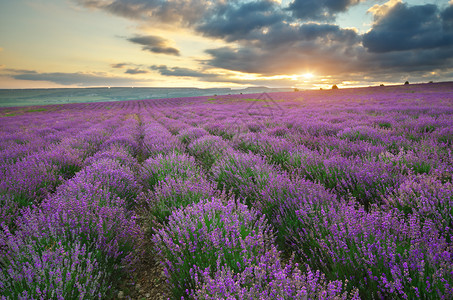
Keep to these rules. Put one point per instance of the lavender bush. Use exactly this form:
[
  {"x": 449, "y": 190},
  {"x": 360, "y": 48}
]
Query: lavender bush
[
  {"x": 210, "y": 234},
  {"x": 106, "y": 174},
  {"x": 188, "y": 135},
  {"x": 53, "y": 270},
  {"x": 160, "y": 167},
  {"x": 242, "y": 174},
  {"x": 268, "y": 279},
  {"x": 91, "y": 222},
  {"x": 114, "y": 153},
  {"x": 172, "y": 193},
  {"x": 378, "y": 252},
  {"x": 429, "y": 199},
  {"x": 208, "y": 149}
]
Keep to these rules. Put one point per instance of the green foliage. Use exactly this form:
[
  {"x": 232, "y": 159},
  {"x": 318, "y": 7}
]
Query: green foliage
[
  {"x": 172, "y": 193},
  {"x": 36, "y": 109},
  {"x": 385, "y": 125},
  {"x": 209, "y": 235},
  {"x": 173, "y": 165}
]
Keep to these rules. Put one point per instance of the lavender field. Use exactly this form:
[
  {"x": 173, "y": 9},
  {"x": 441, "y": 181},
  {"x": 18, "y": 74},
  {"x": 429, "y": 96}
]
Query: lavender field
[{"x": 335, "y": 194}]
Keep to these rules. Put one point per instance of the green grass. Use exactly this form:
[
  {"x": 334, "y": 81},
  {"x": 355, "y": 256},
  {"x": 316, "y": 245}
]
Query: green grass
[
  {"x": 36, "y": 109},
  {"x": 9, "y": 115}
]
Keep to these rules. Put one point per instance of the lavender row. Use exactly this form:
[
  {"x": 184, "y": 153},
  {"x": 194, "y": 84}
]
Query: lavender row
[
  {"x": 32, "y": 178},
  {"x": 80, "y": 241},
  {"x": 42, "y": 131}
]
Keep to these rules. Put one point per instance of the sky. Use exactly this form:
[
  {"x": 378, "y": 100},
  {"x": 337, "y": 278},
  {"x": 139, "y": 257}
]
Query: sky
[{"x": 305, "y": 44}]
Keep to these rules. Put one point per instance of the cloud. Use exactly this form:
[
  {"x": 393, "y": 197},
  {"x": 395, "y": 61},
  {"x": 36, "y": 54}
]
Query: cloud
[
  {"x": 289, "y": 49},
  {"x": 320, "y": 10},
  {"x": 180, "y": 72},
  {"x": 136, "y": 71},
  {"x": 1, "y": 49},
  {"x": 447, "y": 17},
  {"x": 405, "y": 27},
  {"x": 235, "y": 22},
  {"x": 182, "y": 12},
  {"x": 212, "y": 77},
  {"x": 77, "y": 79},
  {"x": 378, "y": 11},
  {"x": 201, "y": 13},
  {"x": 269, "y": 38},
  {"x": 155, "y": 44},
  {"x": 231, "y": 20},
  {"x": 119, "y": 65},
  {"x": 19, "y": 71}
]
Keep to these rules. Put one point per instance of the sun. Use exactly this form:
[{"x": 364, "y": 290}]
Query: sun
[{"x": 308, "y": 75}]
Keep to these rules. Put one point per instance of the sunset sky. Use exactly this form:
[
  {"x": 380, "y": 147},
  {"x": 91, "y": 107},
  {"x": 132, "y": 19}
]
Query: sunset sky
[{"x": 201, "y": 43}]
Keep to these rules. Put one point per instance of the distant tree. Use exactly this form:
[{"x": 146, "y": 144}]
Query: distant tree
[
  {"x": 296, "y": 89},
  {"x": 382, "y": 84},
  {"x": 320, "y": 89},
  {"x": 334, "y": 87},
  {"x": 407, "y": 82},
  {"x": 431, "y": 81}
]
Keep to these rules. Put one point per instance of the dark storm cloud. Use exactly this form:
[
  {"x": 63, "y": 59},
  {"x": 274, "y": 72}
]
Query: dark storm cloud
[
  {"x": 136, "y": 71},
  {"x": 409, "y": 61},
  {"x": 79, "y": 79},
  {"x": 235, "y": 22},
  {"x": 289, "y": 49},
  {"x": 155, "y": 44},
  {"x": 447, "y": 18},
  {"x": 409, "y": 28},
  {"x": 319, "y": 10}
]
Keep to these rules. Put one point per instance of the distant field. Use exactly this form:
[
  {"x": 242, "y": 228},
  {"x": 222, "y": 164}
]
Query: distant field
[
  {"x": 335, "y": 194},
  {"x": 28, "y": 97}
]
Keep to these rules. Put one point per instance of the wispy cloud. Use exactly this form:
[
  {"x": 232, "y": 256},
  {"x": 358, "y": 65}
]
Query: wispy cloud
[
  {"x": 119, "y": 65},
  {"x": 155, "y": 44},
  {"x": 74, "y": 79},
  {"x": 136, "y": 71}
]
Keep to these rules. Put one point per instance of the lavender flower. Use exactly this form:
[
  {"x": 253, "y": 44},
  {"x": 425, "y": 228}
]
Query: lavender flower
[{"x": 429, "y": 199}]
